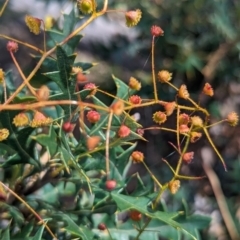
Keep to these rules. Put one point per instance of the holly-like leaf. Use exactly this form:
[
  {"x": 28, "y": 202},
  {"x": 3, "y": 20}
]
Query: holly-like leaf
[
  {"x": 50, "y": 141},
  {"x": 141, "y": 204},
  {"x": 76, "y": 230}
]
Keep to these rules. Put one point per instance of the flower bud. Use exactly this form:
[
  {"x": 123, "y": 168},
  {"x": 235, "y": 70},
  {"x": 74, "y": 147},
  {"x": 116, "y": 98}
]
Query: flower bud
[
  {"x": 183, "y": 128},
  {"x": 188, "y": 157},
  {"x": 134, "y": 84},
  {"x": 92, "y": 142},
  {"x": 93, "y": 116},
  {"x": 12, "y": 46},
  {"x": 232, "y": 119},
  {"x": 123, "y": 131},
  {"x": 4, "y": 133},
  {"x": 40, "y": 120},
  {"x": 159, "y": 117},
  {"x": 110, "y": 185},
  {"x": 86, "y": 6},
  {"x": 156, "y": 31},
  {"x": 118, "y": 107},
  {"x": 169, "y": 107},
  {"x": 135, "y": 99},
  {"x": 183, "y": 92},
  {"x": 197, "y": 121},
  {"x": 92, "y": 87},
  {"x": 195, "y": 136},
  {"x": 43, "y": 93},
  {"x": 208, "y": 90},
  {"x": 164, "y": 76},
  {"x": 174, "y": 186},
  {"x": 133, "y": 17},
  {"x": 184, "y": 119},
  {"x": 135, "y": 215},
  {"x": 67, "y": 127},
  {"x": 21, "y": 120},
  {"x": 137, "y": 157}
]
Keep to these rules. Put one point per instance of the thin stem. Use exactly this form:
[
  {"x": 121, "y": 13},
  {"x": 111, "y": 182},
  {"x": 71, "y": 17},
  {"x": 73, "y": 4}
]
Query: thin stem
[
  {"x": 216, "y": 123},
  {"x": 178, "y": 135},
  {"x": 153, "y": 72},
  {"x": 181, "y": 157},
  {"x": 30, "y": 209},
  {"x": 222, "y": 203},
  {"x": 139, "y": 105},
  {"x": 29, "y": 106},
  {"x": 44, "y": 36},
  {"x": 22, "y": 43},
  {"x": 4, "y": 90},
  {"x": 189, "y": 177},
  {"x": 3, "y": 7},
  {"x": 164, "y": 160},
  {"x": 110, "y": 95},
  {"x": 214, "y": 147},
  {"x": 152, "y": 176},
  {"x": 143, "y": 228},
  {"x": 160, "y": 128},
  {"x": 31, "y": 89},
  {"x": 107, "y": 143}
]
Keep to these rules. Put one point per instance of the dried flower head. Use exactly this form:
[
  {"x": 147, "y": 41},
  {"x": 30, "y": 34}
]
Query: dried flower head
[
  {"x": 183, "y": 128},
  {"x": 93, "y": 116},
  {"x": 134, "y": 84},
  {"x": 169, "y": 107},
  {"x": 123, "y": 131},
  {"x": 159, "y": 117},
  {"x": 92, "y": 87},
  {"x": 118, "y": 107},
  {"x": 1, "y": 75},
  {"x": 197, "y": 121},
  {"x": 33, "y": 24},
  {"x": 43, "y": 93},
  {"x": 188, "y": 157},
  {"x": 184, "y": 119},
  {"x": 40, "y": 120},
  {"x": 208, "y": 90},
  {"x": 135, "y": 99},
  {"x": 86, "y": 6},
  {"x": 174, "y": 186},
  {"x": 4, "y": 133},
  {"x": 183, "y": 92},
  {"x": 232, "y": 119},
  {"x": 12, "y": 46},
  {"x": 21, "y": 120},
  {"x": 137, "y": 157},
  {"x": 164, "y": 76},
  {"x": 156, "y": 31},
  {"x": 195, "y": 136},
  {"x": 135, "y": 215},
  {"x": 133, "y": 17}
]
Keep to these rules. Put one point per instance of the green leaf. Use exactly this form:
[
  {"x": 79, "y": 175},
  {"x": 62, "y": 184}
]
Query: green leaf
[
  {"x": 141, "y": 204},
  {"x": 49, "y": 141},
  {"x": 6, "y": 234},
  {"x": 18, "y": 141},
  {"x": 39, "y": 233},
  {"x": 123, "y": 91},
  {"x": 74, "y": 229}
]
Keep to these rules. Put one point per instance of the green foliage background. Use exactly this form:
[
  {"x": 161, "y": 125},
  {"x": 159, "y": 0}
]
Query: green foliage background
[{"x": 200, "y": 43}]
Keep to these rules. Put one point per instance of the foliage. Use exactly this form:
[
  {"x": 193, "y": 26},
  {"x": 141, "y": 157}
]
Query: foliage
[{"x": 56, "y": 184}]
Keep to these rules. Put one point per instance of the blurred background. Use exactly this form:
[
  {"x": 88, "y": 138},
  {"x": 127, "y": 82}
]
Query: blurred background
[{"x": 201, "y": 44}]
